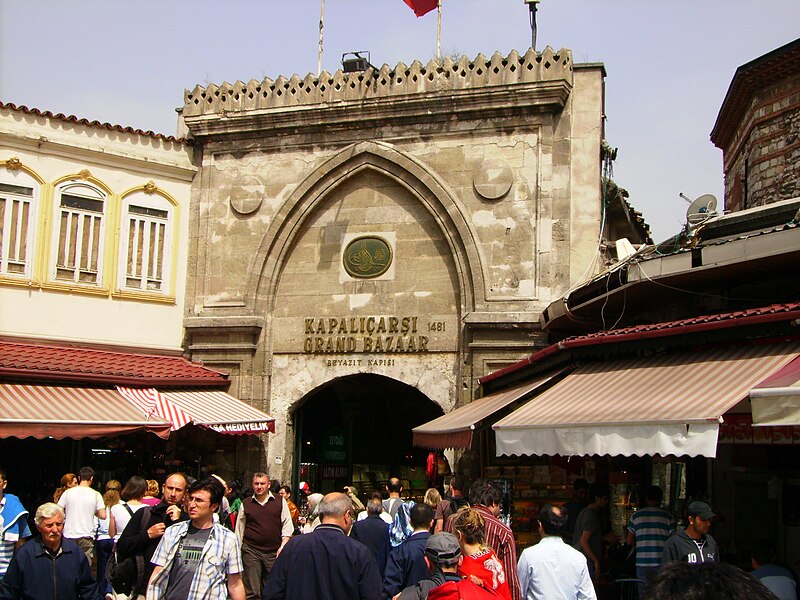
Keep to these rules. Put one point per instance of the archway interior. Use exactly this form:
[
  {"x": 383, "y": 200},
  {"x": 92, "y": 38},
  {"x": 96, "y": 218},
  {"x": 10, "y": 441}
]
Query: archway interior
[{"x": 357, "y": 431}]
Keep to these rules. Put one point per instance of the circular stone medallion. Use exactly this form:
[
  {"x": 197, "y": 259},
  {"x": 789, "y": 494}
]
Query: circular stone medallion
[
  {"x": 493, "y": 180},
  {"x": 367, "y": 256}
]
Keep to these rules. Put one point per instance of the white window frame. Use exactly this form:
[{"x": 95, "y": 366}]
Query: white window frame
[
  {"x": 79, "y": 219},
  {"x": 25, "y": 244},
  {"x": 146, "y": 225}
]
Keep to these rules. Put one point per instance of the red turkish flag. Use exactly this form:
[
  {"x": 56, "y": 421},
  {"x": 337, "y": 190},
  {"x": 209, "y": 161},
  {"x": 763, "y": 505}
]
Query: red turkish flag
[{"x": 422, "y": 7}]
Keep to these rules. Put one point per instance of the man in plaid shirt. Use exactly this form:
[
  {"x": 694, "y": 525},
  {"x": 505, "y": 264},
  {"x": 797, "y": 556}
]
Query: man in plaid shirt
[
  {"x": 486, "y": 498},
  {"x": 198, "y": 559}
]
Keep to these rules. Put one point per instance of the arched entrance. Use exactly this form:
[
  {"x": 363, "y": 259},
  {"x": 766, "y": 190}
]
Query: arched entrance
[{"x": 357, "y": 430}]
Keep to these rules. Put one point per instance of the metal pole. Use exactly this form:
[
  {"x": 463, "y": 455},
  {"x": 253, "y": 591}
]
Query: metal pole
[
  {"x": 532, "y": 7},
  {"x": 439, "y": 32},
  {"x": 321, "y": 27}
]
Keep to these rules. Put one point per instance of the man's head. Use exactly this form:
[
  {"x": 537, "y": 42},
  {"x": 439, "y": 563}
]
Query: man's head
[
  {"x": 700, "y": 516},
  {"x": 374, "y": 506},
  {"x": 443, "y": 552},
  {"x": 599, "y": 494},
  {"x": 580, "y": 490},
  {"x": 286, "y": 492},
  {"x": 174, "y": 489},
  {"x": 337, "y": 509},
  {"x": 86, "y": 475},
  {"x": 421, "y": 516},
  {"x": 552, "y": 520},
  {"x": 202, "y": 500},
  {"x": 484, "y": 493},
  {"x": 763, "y": 554},
  {"x": 394, "y": 487},
  {"x": 49, "y": 521},
  {"x": 653, "y": 495},
  {"x": 260, "y": 484},
  {"x": 705, "y": 581}
]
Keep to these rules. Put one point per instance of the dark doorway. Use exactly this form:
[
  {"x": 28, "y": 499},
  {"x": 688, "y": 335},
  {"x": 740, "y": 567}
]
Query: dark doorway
[{"x": 357, "y": 430}]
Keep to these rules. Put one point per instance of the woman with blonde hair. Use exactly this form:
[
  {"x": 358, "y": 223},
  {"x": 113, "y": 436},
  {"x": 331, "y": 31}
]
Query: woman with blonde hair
[
  {"x": 432, "y": 498},
  {"x": 104, "y": 539},
  {"x": 151, "y": 497},
  {"x": 67, "y": 481},
  {"x": 480, "y": 564}
]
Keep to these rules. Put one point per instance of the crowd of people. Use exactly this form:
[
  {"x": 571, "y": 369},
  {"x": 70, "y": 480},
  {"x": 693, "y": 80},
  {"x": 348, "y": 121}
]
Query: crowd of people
[{"x": 200, "y": 539}]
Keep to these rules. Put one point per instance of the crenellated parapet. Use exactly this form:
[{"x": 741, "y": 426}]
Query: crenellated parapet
[{"x": 416, "y": 78}]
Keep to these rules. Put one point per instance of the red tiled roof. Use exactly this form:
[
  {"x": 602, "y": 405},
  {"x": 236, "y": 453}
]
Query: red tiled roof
[
  {"x": 25, "y": 361},
  {"x": 738, "y": 318},
  {"x": 79, "y": 121}
]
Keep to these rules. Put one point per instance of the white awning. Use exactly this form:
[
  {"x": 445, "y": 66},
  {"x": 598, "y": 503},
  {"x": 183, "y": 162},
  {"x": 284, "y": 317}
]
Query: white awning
[
  {"x": 667, "y": 405},
  {"x": 776, "y": 400}
]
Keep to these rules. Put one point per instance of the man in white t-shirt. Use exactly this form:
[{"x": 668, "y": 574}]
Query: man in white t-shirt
[{"x": 81, "y": 505}]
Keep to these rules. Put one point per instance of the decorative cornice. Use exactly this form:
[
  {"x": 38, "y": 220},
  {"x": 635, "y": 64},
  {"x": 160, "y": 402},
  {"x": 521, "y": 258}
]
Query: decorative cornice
[{"x": 435, "y": 77}]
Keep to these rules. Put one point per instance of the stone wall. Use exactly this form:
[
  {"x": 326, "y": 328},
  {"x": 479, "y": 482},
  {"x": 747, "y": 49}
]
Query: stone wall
[
  {"x": 761, "y": 161},
  {"x": 483, "y": 177}
]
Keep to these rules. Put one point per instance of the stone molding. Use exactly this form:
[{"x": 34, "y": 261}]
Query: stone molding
[
  {"x": 436, "y": 76},
  {"x": 223, "y": 333}
]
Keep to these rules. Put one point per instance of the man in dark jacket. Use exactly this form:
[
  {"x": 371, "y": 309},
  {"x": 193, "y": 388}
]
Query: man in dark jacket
[
  {"x": 693, "y": 544},
  {"x": 326, "y": 564},
  {"x": 406, "y": 565},
  {"x": 141, "y": 539},
  {"x": 49, "y": 566},
  {"x": 373, "y": 532}
]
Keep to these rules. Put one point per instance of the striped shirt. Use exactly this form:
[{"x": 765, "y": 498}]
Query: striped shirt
[
  {"x": 220, "y": 557},
  {"x": 651, "y": 526}
]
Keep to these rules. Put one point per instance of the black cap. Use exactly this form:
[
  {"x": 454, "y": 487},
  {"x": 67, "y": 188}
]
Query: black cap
[
  {"x": 700, "y": 509},
  {"x": 443, "y": 549}
]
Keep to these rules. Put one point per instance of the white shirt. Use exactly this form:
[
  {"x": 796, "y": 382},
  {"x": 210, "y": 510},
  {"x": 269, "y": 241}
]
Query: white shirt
[
  {"x": 552, "y": 570},
  {"x": 80, "y": 504},
  {"x": 383, "y": 515},
  {"x": 121, "y": 516}
]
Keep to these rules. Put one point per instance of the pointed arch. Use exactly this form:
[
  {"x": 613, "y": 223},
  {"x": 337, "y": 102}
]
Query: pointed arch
[{"x": 398, "y": 166}]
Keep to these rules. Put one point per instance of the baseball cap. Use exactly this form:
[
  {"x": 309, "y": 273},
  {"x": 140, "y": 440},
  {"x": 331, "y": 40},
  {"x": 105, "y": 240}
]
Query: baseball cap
[
  {"x": 700, "y": 509},
  {"x": 443, "y": 549},
  {"x": 304, "y": 487}
]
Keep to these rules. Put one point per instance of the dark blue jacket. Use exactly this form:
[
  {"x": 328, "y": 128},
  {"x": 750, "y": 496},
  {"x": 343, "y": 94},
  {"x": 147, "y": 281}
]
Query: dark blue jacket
[
  {"x": 373, "y": 532},
  {"x": 324, "y": 565},
  {"x": 34, "y": 574},
  {"x": 406, "y": 565}
]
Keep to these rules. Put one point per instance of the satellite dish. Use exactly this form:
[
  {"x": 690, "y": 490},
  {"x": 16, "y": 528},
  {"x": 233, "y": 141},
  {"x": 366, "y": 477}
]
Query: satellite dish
[{"x": 701, "y": 209}]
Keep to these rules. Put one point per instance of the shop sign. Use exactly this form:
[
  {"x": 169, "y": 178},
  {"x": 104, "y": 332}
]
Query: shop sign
[
  {"x": 739, "y": 429},
  {"x": 333, "y": 447},
  {"x": 335, "y": 472}
]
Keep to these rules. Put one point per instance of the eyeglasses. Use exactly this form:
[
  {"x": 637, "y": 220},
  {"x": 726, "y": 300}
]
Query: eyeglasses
[{"x": 198, "y": 501}]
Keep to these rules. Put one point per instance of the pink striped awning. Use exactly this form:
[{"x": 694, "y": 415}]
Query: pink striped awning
[
  {"x": 221, "y": 412},
  {"x": 454, "y": 430},
  {"x": 43, "y": 411},
  {"x": 667, "y": 404}
]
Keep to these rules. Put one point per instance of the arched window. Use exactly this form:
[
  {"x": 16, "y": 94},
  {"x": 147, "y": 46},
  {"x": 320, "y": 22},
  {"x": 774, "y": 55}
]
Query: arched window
[
  {"x": 19, "y": 194},
  {"x": 146, "y": 243},
  {"x": 80, "y": 230}
]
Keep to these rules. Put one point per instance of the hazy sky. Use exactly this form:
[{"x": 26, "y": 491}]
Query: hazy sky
[{"x": 669, "y": 64}]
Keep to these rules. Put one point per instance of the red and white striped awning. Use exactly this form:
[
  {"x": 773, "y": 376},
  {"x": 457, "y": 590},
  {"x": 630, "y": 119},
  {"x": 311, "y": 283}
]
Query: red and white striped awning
[
  {"x": 667, "y": 405},
  {"x": 44, "y": 411},
  {"x": 454, "y": 430},
  {"x": 214, "y": 409}
]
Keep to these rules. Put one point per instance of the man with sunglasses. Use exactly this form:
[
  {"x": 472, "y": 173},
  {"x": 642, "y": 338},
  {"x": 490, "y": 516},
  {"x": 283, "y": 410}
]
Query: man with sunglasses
[{"x": 200, "y": 558}]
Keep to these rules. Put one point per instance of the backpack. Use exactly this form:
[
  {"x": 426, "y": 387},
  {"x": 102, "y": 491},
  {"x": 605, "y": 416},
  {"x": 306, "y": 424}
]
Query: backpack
[{"x": 127, "y": 576}]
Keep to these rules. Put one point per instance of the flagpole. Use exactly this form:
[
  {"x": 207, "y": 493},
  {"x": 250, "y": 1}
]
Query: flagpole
[
  {"x": 439, "y": 32},
  {"x": 321, "y": 27}
]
